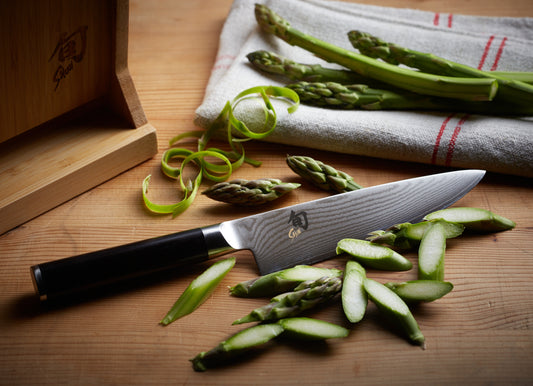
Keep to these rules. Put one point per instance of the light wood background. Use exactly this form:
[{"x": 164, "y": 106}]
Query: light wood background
[{"x": 481, "y": 333}]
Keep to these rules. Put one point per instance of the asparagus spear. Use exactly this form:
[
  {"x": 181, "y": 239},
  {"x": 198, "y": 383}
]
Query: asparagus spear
[
  {"x": 244, "y": 192},
  {"x": 461, "y": 88},
  {"x": 281, "y": 281},
  {"x": 276, "y": 64},
  {"x": 321, "y": 175},
  {"x": 236, "y": 345},
  {"x": 307, "y": 295},
  {"x": 273, "y": 63},
  {"x": 508, "y": 89},
  {"x": 251, "y": 337},
  {"x": 359, "y": 96}
]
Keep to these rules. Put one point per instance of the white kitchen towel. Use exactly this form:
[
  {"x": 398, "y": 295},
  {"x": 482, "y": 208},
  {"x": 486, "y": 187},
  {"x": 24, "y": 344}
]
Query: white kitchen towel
[{"x": 499, "y": 144}]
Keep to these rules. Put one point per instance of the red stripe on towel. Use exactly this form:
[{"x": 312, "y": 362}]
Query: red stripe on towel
[
  {"x": 450, "y": 19},
  {"x": 436, "y": 19},
  {"x": 485, "y": 53},
  {"x": 453, "y": 140},
  {"x": 223, "y": 62},
  {"x": 439, "y": 137},
  {"x": 498, "y": 54}
]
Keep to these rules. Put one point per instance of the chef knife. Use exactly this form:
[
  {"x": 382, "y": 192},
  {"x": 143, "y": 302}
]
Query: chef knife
[{"x": 305, "y": 233}]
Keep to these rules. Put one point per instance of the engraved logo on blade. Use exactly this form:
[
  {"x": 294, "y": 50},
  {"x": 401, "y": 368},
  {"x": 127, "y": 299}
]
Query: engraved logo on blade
[{"x": 299, "y": 223}]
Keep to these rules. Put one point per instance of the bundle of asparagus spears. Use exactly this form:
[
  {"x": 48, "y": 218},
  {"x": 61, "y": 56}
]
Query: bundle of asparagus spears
[{"x": 374, "y": 80}]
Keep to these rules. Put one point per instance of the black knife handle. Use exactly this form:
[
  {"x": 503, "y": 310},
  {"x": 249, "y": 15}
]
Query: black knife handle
[{"x": 82, "y": 272}]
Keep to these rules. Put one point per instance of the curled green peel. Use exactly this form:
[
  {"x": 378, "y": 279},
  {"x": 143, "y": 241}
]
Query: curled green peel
[{"x": 230, "y": 160}]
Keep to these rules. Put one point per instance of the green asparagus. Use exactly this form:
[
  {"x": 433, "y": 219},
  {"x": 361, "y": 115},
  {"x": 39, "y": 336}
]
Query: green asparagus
[
  {"x": 273, "y": 63},
  {"x": 199, "y": 290},
  {"x": 408, "y": 236},
  {"x": 373, "y": 255},
  {"x": 508, "y": 90},
  {"x": 420, "y": 290},
  {"x": 311, "y": 329},
  {"x": 281, "y": 281},
  {"x": 353, "y": 295},
  {"x": 392, "y": 305},
  {"x": 522, "y": 76},
  {"x": 236, "y": 345},
  {"x": 475, "y": 219},
  {"x": 321, "y": 175},
  {"x": 431, "y": 253},
  {"x": 305, "y": 296},
  {"x": 244, "y": 192},
  {"x": 360, "y": 96},
  {"x": 461, "y": 88}
]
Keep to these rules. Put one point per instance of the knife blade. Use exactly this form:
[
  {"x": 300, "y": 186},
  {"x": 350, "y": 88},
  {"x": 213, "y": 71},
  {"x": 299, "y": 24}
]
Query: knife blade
[{"x": 305, "y": 233}]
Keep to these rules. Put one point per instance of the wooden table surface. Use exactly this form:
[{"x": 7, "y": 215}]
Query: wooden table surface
[{"x": 481, "y": 333}]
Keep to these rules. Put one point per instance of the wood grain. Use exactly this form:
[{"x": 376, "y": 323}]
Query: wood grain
[
  {"x": 481, "y": 333},
  {"x": 55, "y": 57},
  {"x": 71, "y": 117}
]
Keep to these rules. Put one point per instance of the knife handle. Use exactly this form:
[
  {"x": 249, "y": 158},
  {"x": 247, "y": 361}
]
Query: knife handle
[{"x": 107, "y": 266}]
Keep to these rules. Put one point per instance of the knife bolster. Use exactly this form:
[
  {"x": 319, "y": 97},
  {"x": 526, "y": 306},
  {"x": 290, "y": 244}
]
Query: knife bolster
[{"x": 215, "y": 241}]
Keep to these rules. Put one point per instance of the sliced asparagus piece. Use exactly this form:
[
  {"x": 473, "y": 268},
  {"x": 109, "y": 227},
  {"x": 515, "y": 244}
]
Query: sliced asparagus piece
[
  {"x": 450, "y": 87},
  {"x": 199, "y": 290},
  {"x": 407, "y": 235},
  {"x": 421, "y": 290},
  {"x": 321, "y": 175},
  {"x": 431, "y": 253},
  {"x": 360, "y": 96},
  {"x": 392, "y": 305},
  {"x": 508, "y": 90},
  {"x": 307, "y": 295},
  {"x": 311, "y": 329},
  {"x": 476, "y": 219},
  {"x": 281, "y": 281},
  {"x": 254, "y": 192},
  {"x": 374, "y": 255},
  {"x": 236, "y": 345},
  {"x": 353, "y": 295}
]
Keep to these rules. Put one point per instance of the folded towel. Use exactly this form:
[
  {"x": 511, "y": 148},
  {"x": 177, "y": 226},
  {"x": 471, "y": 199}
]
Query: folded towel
[{"x": 499, "y": 144}]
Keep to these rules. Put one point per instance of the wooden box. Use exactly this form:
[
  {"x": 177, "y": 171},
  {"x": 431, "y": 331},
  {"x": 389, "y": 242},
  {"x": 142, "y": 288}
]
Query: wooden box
[{"x": 70, "y": 117}]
